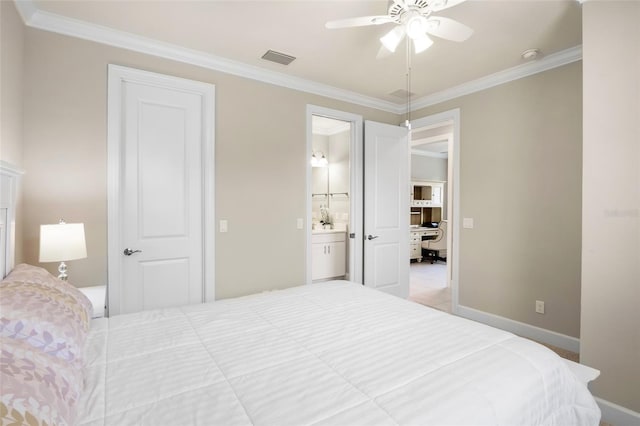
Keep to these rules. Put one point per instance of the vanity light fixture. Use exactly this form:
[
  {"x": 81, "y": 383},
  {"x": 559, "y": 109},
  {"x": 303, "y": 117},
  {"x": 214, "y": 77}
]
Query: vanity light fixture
[{"x": 319, "y": 160}]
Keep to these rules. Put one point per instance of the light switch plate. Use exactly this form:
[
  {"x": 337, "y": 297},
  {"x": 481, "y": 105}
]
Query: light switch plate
[
  {"x": 467, "y": 223},
  {"x": 300, "y": 223},
  {"x": 224, "y": 226}
]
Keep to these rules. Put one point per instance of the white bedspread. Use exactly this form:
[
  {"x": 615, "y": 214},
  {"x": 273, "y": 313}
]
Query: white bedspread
[{"x": 334, "y": 353}]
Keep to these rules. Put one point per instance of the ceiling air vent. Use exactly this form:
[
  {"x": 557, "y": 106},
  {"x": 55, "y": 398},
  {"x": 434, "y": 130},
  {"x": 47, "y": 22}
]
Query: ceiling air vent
[
  {"x": 278, "y": 57},
  {"x": 401, "y": 93}
]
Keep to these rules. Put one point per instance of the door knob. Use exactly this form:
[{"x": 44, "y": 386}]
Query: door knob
[
  {"x": 129, "y": 252},
  {"x": 372, "y": 237}
]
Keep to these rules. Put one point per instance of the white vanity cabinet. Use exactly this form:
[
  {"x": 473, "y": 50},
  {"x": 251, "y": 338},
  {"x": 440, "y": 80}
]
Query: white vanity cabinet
[{"x": 328, "y": 254}]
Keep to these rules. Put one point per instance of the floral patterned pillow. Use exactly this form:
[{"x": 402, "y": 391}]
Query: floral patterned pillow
[
  {"x": 37, "y": 388},
  {"x": 43, "y": 328},
  {"x": 47, "y": 313},
  {"x": 40, "y": 276}
]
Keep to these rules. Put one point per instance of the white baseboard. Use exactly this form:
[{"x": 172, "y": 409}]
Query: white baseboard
[
  {"x": 617, "y": 415},
  {"x": 521, "y": 329}
]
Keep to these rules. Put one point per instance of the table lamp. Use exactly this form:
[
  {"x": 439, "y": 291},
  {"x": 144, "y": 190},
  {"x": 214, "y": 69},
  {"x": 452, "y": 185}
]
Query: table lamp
[{"x": 62, "y": 242}]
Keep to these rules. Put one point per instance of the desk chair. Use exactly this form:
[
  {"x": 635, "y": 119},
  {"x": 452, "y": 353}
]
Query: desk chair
[{"x": 432, "y": 247}]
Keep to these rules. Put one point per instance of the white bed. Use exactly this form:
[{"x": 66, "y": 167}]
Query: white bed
[{"x": 334, "y": 353}]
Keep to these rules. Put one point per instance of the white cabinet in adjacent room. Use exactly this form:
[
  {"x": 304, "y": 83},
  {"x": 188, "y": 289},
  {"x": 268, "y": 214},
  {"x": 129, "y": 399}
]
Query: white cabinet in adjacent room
[
  {"x": 427, "y": 203},
  {"x": 427, "y": 194},
  {"x": 328, "y": 255}
]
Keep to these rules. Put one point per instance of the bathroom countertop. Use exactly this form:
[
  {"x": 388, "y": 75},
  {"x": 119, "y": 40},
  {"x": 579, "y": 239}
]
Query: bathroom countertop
[{"x": 328, "y": 231}]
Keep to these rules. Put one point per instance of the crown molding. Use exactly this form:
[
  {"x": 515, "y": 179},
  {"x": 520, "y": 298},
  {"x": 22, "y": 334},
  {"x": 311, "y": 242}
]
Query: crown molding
[
  {"x": 444, "y": 155},
  {"x": 10, "y": 169},
  {"x": 42, "y": 20},
  {"x": 332, "y": 131},
  {"x": 33, "y": 17},
  {"x": 26, "y": 9},
  {"x": 548, "y": 62},
  {"x": 328, "y": 127}
]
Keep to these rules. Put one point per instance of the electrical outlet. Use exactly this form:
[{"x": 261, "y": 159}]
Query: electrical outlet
[{"x": 540, "y": 306}]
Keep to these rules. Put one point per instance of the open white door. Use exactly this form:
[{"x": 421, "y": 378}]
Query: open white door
[{"x": 386, "y": 208}]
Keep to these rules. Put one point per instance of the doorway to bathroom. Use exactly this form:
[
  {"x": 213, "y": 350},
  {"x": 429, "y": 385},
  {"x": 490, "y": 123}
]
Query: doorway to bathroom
[{"x": 334, "y": 202}]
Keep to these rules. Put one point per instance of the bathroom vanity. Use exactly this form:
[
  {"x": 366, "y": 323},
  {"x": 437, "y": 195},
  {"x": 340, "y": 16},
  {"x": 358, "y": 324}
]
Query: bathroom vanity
[{"x": 328, "y": 254}]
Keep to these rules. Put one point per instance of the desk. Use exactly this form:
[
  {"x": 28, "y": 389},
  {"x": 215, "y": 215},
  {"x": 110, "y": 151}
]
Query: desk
[{"x": 415, "y": 241}]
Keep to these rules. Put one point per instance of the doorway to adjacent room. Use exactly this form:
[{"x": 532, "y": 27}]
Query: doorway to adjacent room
[{"x": 433, "y": 210}]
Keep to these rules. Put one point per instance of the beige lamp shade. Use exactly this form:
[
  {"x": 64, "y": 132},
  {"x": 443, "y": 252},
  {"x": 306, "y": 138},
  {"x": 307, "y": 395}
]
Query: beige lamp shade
[{"x": 61, "y": 242}]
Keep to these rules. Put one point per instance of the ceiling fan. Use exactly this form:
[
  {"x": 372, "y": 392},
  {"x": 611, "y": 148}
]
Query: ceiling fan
[{"x": 415, "y": 19}]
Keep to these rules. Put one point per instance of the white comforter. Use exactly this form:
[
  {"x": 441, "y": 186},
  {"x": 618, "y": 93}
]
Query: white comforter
[{"x": 325, "y": 354}]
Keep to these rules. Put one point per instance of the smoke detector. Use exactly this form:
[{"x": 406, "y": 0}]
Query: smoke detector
[{"x": 531, "y": 54}]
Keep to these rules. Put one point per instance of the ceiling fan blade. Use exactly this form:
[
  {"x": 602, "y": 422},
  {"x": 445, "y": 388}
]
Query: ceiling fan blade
[
  {"x": 447, "y": 28},
  {"x": 358, "y": 22},
  {"x": 444, "y": 4}
]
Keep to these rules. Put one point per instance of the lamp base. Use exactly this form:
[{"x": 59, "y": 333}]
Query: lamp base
[{"x": 62, "y": 268}]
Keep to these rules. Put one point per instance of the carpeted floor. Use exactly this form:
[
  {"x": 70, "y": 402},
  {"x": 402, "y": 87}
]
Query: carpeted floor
[{"x": 428, "y": 285}]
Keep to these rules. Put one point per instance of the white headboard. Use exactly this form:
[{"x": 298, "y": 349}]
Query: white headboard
[{"x": 9, "y": 180}]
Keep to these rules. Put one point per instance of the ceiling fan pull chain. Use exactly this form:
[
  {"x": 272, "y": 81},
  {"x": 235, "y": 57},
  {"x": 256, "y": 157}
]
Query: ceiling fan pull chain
[{"x": 408, "y": 58}]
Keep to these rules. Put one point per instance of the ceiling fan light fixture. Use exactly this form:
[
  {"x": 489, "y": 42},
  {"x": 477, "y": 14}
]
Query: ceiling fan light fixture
[
  {"x": 392, "y": 39},
  {"x": 421, "y": 44},
  {"x": 416, "y": 26},
  {"x": 415, "y": 20}
]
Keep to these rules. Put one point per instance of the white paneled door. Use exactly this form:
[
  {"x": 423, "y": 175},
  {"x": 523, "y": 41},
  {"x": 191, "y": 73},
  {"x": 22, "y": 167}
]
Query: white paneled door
[
  {"x": 162, "y": 147},
  {"x": 386, "y": 208}
]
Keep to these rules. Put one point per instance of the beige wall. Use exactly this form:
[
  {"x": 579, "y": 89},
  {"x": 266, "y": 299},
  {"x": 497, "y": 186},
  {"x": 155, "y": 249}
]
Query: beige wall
[
  {"x": 611, "y": 199},
  {"x": 11, "y": 70},
  {"x": 260, "y": 160},
  {"x": 520, "y": 180}
]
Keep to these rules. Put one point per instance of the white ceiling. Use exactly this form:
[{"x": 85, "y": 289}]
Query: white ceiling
[{"x": 343, "y": 58}]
